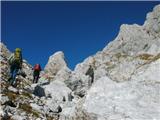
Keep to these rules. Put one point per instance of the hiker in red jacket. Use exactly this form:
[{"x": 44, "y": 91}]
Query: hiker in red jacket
[{"x": 36, "y": 72}]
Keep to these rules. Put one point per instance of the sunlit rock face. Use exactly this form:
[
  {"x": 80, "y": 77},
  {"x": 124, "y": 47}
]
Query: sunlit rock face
[
  {"x": 126, "y": 76},
  {"x": 55, "y": 63}
]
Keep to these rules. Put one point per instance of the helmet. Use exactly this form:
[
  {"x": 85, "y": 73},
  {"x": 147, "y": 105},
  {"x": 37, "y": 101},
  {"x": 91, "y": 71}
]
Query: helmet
[{"x": 17, "y": 50}]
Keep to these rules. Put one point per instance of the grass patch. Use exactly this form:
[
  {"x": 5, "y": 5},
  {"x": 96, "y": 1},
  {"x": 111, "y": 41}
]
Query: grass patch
[
  {"x": 28, "y": 95},
  {"x": 111, "y": 66},
  {"x": 50, "y": 118},
  {"x": 145, "y": 56},
  {"x": 28, "y": 109},
  {"x": 120, "y": 55},
  {"x": 56, "y": 117},
  {"x": 156, "y": 57},
  {"x": 108, "y": 63},
  {"x": 11, "y": 95}
]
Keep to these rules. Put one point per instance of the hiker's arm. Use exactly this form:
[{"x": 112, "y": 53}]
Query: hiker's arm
[
  {"x": 9, "y": 58},
  {"x": 33, "y": 67},
  {"x": 20, "y": 67},
  {"x": 21, "y": 62},
  {"x": 40, "y": 68},
  {"x": 87, "y": 73}
]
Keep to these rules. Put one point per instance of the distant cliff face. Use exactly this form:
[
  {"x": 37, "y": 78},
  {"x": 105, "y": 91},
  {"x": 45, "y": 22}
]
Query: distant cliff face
[
  {"x": 126, "y": 76},
  {"x": 133, "y": 44},
  {"x": 121, "y": 82}
]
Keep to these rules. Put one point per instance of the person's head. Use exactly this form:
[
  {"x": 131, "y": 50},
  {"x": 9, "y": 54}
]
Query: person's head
[
  {"x": 18, "y": 50},
  {"x": 37, "y": 64},
  {"x": 90, "y": 65}
]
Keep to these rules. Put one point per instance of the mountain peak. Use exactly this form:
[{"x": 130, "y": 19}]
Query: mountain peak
[
  {"x": 59, "y": 54},
  {"x": 55, "y": 63},
  {"x": 152, "y": 23}
]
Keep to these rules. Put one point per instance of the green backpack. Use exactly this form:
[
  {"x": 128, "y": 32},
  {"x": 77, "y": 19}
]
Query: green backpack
[{"x": 16, "y": 57}]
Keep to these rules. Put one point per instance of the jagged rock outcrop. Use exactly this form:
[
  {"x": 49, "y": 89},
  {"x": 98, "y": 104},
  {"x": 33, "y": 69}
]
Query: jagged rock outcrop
[
  {"x": 56, "y": 65},
  {"x": 126, "y": 79},
  {"x": 135, "y": 99},
  {"x": 129, "y": 50},
  {"x": 4, "y": 54},
  {"x": 152, "y": 24},
  {"x": 78, "y": 81}
]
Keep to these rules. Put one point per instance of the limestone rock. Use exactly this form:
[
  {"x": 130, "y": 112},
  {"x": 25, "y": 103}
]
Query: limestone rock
[
  {"x": 57, "y": 90},
  {"x": 152, "y": 23},
  {"x": 139, "y": 96},
  {"x": 126, "y": 76},
  {"x": 55, "y": 63}
]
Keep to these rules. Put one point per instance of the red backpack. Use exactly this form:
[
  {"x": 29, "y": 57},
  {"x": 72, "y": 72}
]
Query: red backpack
[{"x": 37, "y": 67}]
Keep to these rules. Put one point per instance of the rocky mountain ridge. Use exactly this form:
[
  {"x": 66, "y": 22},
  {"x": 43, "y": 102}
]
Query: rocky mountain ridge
[{"x": 125, "y": 86}]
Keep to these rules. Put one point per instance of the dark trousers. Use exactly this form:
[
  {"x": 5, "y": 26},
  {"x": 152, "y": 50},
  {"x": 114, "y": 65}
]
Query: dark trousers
[
  {"x": 13, "y": 73},
  {"x": 36, "y": 76}
]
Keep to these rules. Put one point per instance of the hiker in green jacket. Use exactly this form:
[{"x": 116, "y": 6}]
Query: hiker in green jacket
[
  {"x": 90, "y": 72},
  {"x": 15, "y": 62}
]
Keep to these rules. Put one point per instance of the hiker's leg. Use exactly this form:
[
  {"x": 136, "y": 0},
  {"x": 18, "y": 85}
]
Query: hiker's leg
[
  {"x": 11, "y": 71},
  {"x": 14, "y": 75},
  {"x": 92, "y": 79},
  {"x": 12, "y": 67},
  {"x": 34, "y": 76},
  {"x": 37, "y": 77},
  {"x": 89, "y": 82}
]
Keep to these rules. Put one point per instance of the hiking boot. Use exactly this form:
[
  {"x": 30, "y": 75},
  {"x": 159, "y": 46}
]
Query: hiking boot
[
  {"x": 14, "y": 85},
  {"x": 9, "y": 79}
]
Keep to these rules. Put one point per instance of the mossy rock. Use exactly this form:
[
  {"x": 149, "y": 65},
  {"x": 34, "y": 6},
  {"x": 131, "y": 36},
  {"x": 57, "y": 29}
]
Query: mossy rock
[
  {"x": 112, "y": 66},
  {"x": 153, "y": 59},
  {"x": 145, "y": 56},
  {"x": 28, "y": 109},
  {"x": 11, "y": 95},
  {"x": 26, "y": 95},
  {"x": 56, "y": 117},
  {"x": 108, "y": 63},
  {"x": 120, "y": 55},
  {"x": 156, "y": 57}
]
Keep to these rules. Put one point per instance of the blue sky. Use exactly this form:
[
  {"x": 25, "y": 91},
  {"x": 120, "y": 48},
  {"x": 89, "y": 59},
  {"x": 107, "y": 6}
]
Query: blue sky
[{"x": 79, "y": 29}]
